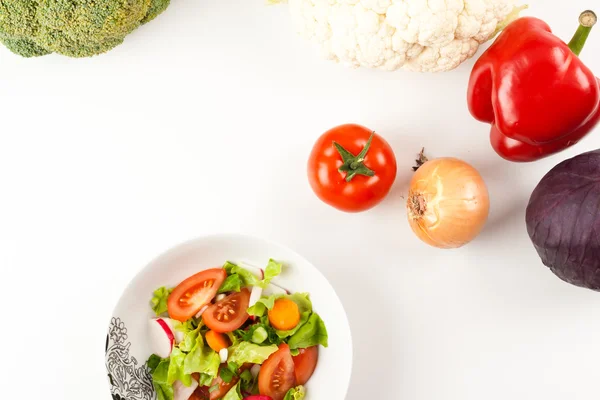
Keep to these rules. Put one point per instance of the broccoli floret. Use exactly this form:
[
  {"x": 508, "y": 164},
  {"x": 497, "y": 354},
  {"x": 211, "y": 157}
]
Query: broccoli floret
[{"x": 75, "y": 28}]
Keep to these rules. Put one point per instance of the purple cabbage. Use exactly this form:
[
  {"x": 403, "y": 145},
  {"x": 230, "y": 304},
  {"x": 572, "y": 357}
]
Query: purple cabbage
[{"x": 563, "y": 220}]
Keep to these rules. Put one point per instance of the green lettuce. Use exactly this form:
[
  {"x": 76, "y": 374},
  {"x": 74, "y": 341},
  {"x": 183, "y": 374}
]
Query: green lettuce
[
  {"x": 234, "y": 393},
  {"x": 160, "y": 370},
  {"x": 296, "y": 393},
  {"x": 205, "y": 380},
  {"x": 176, "y": 368},
  {"x": 263, "y": 304},
  {"x": 301, "y": 299},
  {"x": 233, "y": 283},
  {"x": 247, "y": 352},
  {"x": 159, "y": 300},
  {"x": 272, "y": 270},
  {"x": 247, "y": 278},
  {"x": 201, "y": 358},
  {"x": 312, "y": 333}
]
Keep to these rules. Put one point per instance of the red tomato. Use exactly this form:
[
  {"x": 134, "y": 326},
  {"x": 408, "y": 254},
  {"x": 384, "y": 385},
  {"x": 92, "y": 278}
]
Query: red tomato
[
  {"x": 305, "y": 364},
  {"x": 221, "y": 387},
  {"x": 276, "y": 376},
  {"x": 194, "y": 293},
  {"x": 228, "y": 314},
  {"x": 345, "y": 177},
  {"x": 201, "y": 393}
]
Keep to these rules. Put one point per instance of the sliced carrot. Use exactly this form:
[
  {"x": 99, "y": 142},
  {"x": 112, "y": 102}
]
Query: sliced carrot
[
  {"x": 217, "y": 341},
  {"x": 284, "y": 315}
]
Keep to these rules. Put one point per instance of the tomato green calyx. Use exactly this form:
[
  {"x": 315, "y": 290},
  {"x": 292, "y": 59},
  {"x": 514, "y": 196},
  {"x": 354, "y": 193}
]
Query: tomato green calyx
[
  {"x": 354, "y": 165},
  {"x": 587, "y": 20}
]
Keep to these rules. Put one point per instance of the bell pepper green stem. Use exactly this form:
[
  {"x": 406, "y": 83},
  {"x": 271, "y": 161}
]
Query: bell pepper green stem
[
  {"x": 587, "y": 20},
  {"x": 354, "y": 165}
]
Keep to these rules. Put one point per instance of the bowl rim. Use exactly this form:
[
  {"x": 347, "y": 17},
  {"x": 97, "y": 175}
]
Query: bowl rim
[{"x": 241, "y": 236}]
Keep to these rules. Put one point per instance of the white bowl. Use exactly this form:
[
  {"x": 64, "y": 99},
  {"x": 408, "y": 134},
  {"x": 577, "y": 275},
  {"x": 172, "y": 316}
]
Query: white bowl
[{"x": 127, "y": 343}]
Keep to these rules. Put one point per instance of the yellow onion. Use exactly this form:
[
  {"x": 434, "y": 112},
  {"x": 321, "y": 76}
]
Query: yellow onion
[{"x": 448, "y": 203}]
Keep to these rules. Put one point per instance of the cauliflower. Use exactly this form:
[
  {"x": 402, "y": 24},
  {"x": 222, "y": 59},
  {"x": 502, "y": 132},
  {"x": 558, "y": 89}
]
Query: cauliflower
[
  {"x": 417, "y": 35},
  {"x": 75, "y": 28}
]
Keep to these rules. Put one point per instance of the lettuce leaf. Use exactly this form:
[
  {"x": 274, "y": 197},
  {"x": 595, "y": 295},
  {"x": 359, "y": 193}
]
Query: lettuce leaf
[
  {"x": 233, "y": 283},
  {"x": 272, "y": 270},
  {"x": 190, "y": 337},
  {"x": 201, "y": 358},
  {"x": 205, "y": 380},
  {"x": 301, "y": 299},
  {"x": 247, "y": 352},
  {"x": 159, "y": 300},
  {"x": 160, "y": 373},
  {"x": 296, "y": 393},
  {"x": 234, "y": 393},
  {"x": 176, "y": 368},
  {"x": 263, "y": 304},
  {"x": 247, "y": 278},
  {"x": 312, "y": 333}
]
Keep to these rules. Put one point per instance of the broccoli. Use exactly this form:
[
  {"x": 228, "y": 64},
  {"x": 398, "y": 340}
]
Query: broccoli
[{"x": 74, "y": 28}]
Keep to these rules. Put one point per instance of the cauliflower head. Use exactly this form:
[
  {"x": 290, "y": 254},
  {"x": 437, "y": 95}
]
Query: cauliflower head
[
  {"x": 75, "y": 28},
  {"x": 417, "y": 35}
]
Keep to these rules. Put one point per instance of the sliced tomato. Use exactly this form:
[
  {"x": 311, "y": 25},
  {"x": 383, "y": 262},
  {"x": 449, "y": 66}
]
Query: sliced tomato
[
  {"x": 194, "y": 293},
  {"x": 228, "y": 314},
  {"x": 221, "y": 388},
  {"x": 276, "y": 376},
  {"x": 305, "y": 364},
  {"x": 201, "y": 393}
]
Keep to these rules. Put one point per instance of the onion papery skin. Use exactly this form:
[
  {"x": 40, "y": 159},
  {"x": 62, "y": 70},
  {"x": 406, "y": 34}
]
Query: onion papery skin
[{"x": 448, "y": 203}]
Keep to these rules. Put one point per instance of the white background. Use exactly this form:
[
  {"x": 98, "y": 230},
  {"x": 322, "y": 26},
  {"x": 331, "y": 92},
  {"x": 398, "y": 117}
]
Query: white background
[{"x": 202, "y": 122}]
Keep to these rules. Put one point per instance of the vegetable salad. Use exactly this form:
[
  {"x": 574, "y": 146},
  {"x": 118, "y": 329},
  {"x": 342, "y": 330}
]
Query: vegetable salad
[{"x": 231, "y": 333}]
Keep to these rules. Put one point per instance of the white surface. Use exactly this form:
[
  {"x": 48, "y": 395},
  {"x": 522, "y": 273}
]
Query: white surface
[
  {"x": 335, "y": 362},
  {"x": 202, "y": 122}
]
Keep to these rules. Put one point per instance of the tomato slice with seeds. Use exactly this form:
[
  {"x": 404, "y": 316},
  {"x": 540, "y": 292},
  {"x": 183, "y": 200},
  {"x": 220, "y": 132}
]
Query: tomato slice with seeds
[
  {"x": 219, "y": 387},
  {"x": 276, "y": 376},
  {"x": 201, "y": 393},
  {"x": 305, "y": 364},
  {"x": 194, "y": 293},
  {"x": 228, "y": 314}
]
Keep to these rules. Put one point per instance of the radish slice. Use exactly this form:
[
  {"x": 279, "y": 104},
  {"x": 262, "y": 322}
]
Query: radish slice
[
  {"x": 220, "y": 297},
  {"x": 255, "y": 370},
  {"x": 201, "y": 311},
  {"x": 274, "y": 289},
  {"x": 257, "y": 272},
  {"x": 177, "y": 334},
  {"x": 224, "y": 354},
  {"x": 182, "y": 392},
  {"x": 161, "y": 338},
  {"x": 255, "y": 295}
]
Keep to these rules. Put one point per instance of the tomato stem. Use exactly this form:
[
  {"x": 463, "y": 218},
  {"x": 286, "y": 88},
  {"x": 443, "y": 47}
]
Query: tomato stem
[
  {"x": 587, "y": 20},
  {"x": 354, "y": 165}
]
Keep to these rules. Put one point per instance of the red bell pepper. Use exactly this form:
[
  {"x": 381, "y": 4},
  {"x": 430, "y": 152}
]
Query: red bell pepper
[{"x": 534, "y": 90}]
